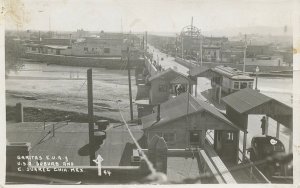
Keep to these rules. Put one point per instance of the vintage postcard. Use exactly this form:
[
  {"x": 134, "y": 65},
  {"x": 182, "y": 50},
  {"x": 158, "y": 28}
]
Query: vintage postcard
[{"x": 123, "y": 92}]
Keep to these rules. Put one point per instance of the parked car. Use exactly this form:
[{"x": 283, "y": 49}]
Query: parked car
[{"x": 268, "y": 146}]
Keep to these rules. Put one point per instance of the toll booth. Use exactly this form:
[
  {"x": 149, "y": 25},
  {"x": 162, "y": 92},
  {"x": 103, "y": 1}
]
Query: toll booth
[
  {"x": 248, "y": 101},
  {"x": 226, "y": 145}
]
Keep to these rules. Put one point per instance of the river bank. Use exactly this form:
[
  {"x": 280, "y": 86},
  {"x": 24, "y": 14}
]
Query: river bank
[{"x": 64, "y": 88}]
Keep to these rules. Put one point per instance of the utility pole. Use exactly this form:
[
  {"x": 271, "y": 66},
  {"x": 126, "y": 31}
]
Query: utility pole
[
  {"x": 129, "y": 82},
  {"x": 39, "y": 41},
  {"x": 245, "y": 53},
  {"x": 146, "y": 40},
  {"x": 91, "y": 116},
  {"x": 191, "y": 47},
  {"x": 182, "y": 47}
]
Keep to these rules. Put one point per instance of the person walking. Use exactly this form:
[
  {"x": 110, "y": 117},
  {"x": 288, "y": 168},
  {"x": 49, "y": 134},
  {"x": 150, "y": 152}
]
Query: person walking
[{"x": 263, "y": 125}]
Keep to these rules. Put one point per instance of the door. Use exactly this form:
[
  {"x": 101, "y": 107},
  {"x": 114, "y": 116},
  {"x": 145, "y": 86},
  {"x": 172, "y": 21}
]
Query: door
[{"x": 195, "y": 138}]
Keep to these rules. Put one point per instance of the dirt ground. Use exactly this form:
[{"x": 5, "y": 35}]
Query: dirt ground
[{"x": 65, "y": 88}]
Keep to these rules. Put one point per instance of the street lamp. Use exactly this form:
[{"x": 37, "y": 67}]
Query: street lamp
[{"x": 256, "y": 71}]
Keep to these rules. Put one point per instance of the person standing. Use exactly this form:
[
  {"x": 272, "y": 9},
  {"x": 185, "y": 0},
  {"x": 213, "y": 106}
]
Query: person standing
[{"x": 263, "y": 125}]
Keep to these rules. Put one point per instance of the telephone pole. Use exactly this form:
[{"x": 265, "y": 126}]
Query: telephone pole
[
  {"x": 129, "y": 82},
  {"x": 91, "y": 116},
  {"x": 244, "y": 67}
]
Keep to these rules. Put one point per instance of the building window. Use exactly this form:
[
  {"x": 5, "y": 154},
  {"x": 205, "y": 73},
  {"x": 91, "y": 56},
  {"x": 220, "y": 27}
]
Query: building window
[
  {"x": 106, "y": 50},
  {"x": 236, "y": 85},
  {"x": 250, "y": 85},
  {"x": 243, "y": 85},
  {"x": 33, "y": 48},
  {"x": 229, "y": 136},
  {"x": 169, "y": 137},
  {"x": 86, "y": 49},
  {"x": 162, "y": 88}
]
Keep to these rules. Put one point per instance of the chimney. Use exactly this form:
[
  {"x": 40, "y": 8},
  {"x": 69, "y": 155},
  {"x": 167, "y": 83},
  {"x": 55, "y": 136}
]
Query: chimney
[{"x": 158, "y": 113}]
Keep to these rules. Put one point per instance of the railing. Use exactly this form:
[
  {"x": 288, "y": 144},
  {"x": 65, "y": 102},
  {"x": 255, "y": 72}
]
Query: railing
[{"x": 254, "y": 172}]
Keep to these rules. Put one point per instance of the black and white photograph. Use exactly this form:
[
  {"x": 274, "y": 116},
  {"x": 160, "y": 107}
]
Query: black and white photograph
[{"x": 156, "y": 92}]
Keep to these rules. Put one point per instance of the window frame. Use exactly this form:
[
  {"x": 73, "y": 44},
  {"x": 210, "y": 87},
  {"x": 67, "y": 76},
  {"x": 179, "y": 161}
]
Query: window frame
[
  {"x": 242, "y": 85},
  {"x": 238, "y": 84}
]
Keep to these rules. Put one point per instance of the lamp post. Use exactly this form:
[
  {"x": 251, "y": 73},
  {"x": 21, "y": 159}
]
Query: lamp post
[{"x": 256, "y": 71}]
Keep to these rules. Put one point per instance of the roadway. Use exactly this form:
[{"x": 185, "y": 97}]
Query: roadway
[{"x": 278, "y": 88}]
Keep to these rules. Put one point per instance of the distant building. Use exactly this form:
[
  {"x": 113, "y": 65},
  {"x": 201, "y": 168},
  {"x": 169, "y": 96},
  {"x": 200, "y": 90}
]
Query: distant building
[
  {"x": 254, "y": 50},
  {"x": 105, "y": 45}
]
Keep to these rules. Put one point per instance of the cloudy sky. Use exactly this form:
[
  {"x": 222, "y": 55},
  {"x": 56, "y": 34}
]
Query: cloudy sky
[{"x": 150, "y": 15}]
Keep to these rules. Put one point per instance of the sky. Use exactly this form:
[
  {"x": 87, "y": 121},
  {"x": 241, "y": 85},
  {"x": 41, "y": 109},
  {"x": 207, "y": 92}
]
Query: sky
[{"x": 146, "y": 15}]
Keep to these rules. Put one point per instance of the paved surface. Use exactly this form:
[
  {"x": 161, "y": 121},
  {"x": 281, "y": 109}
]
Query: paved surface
[{"x": 71, "y": 140}]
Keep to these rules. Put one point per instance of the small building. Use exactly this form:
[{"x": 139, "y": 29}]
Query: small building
[
  {"x": 167, "y": 84},
  {"x": 183, "y": 122}
]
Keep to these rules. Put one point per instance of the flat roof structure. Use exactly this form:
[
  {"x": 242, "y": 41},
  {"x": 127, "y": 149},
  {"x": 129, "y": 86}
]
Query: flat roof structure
[{"x": 249, "y": 101}]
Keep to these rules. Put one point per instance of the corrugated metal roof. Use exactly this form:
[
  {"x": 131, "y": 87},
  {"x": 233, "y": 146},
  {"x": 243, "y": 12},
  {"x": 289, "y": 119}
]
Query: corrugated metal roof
[
  {"x": 245, "y": 100},
  {"x": 179, "y": 107}
]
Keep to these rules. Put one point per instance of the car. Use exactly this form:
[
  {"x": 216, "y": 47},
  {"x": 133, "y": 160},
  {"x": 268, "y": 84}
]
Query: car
[{"x": 264, "y": 147}]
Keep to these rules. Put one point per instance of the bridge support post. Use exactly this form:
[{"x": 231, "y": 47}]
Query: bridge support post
[
  {"x": 244, "y": 145},
  {"x": 267, "y": 126},
  {"x": 277, "y": 130},
  {"x": 291, "y": 142}
]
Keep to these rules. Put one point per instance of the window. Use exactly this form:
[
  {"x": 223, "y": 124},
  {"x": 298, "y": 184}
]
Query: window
[
  {"x": 86, "y": 49},
  {"x": 169, "y": 137},
  {"x": 229, "y": 136},
  {"x": 106, "y": 50},
  {"x": 162, "y": 88},
  {"x": 243, "y": 85},
  {"x": 92, "y": 49},
  {"x": 236, "y": 85},
  {"x": 194, "y": 137},
  {"x": 250, "y": 85},
  {"x": 33, "y": 48}
]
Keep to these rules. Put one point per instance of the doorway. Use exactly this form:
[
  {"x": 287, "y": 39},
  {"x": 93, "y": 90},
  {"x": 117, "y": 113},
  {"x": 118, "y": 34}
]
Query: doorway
[{"x": 195, "y": 138}]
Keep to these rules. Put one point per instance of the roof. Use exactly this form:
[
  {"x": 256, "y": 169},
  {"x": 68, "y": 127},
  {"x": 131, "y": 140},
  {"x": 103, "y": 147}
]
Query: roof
[
  {"x": 57, "y": 47},
  {"x": 177, "y": 107},
  {"x": 230, "y": 72},
  {"x": 168, "y": 74},
  {"x": 180, "y": 80},
  {"x": 199, "y": 71},
  {"x": 245, "y": 100}
]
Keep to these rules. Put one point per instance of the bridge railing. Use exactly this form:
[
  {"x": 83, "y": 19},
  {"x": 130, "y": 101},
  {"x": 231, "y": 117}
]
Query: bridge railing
[{"x": 253, "y": 171}]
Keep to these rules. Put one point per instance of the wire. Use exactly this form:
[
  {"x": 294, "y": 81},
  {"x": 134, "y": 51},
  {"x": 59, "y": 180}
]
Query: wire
[
  {"x": 150, "y": 165},
  {"x": 154, "y": 176}
]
